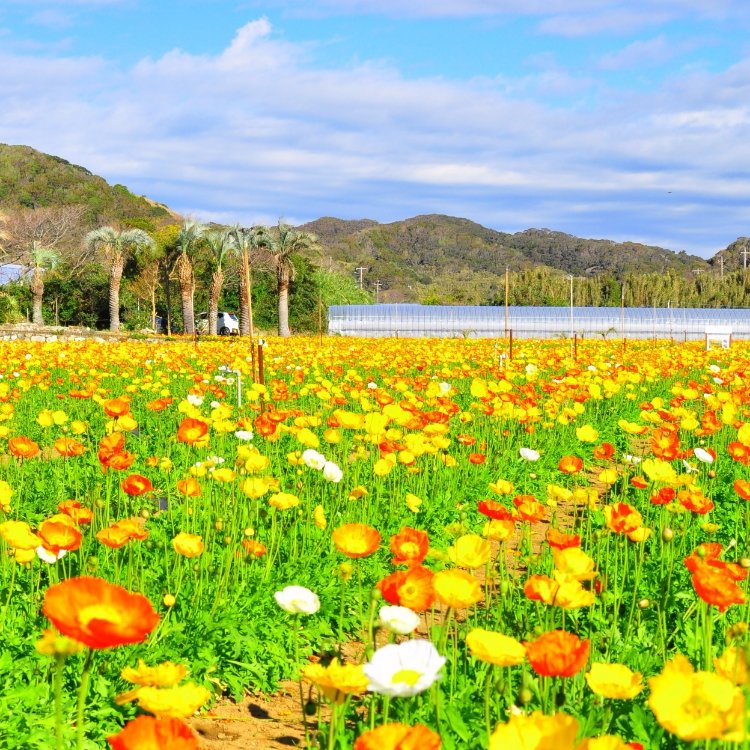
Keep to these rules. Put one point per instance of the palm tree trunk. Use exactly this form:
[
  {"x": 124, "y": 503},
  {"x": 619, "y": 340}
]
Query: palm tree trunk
[
  {"x": 246, "y": 296},
  {"x": 115, "y": 278},
  {"x": 283, "y": 289},
  {"x": 187, "y": 291},
  {"x": 37, "y": 293},
  {"x": 214, "y": 294}
]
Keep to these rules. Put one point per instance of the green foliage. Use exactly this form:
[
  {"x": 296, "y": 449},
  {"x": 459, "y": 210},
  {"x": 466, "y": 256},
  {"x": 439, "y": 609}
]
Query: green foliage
[
  {"x": 446, "y": 260},
  {"x": 32, "y": 179},
  {"x": 10, "y": 312}
]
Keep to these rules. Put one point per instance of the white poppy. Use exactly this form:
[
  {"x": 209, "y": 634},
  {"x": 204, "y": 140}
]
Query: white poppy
[
  {"x": 297, "y": 600},
  {"x": 194, "y": 400},
  {"x": 49, "y": 557},
  {"x": 703, "y": 455},
  {"x": 243, "y": 435},
  {"x": 630, "y": 459},
  {"x": 404, "y": 669},
  {"x": 332, "y": 472},
  {"x": 399, "y": 620},
  {"x": 529, "y": 454},
  {"x": 313, "y": 460},
  {"x": 689, "y": 468}
]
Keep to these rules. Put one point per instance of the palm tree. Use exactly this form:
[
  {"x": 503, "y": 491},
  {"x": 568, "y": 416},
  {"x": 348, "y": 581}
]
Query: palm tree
[
  {"x": 247, "y": 241},
  {"x": 42, "y": 258},
  {"x": 220, "y": 243},
  {"x": 190, "y": 233},
  {"x": 117, "y": 246},
  {"x": 286, "y": 242}
]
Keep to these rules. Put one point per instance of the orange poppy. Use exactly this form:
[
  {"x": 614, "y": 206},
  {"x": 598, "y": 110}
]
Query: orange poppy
[
  {"x": 742, "y": 488},
  {"x": 117, "y": 407},
  {"x": 665, "y": 443},
  {"x": 409, "y": 546},
  {"x": 410, "y": 588},
  {"x": 356, "y": 539},
  {"x": 398, "y": 737},
  {"x": 714, "y": 586},
  {"x": 76, "y": 511},
  {"x": 695, "y": 501},
  {"x": 604, "y": 451},
  {"x": 560, "y": 540},
  {"x": 188, "y": 545},
  {"x": 622, "y": 518},
  {"x": 189, "y": 487},
  {"x": 264, "y": 425},
  {"x": 136, "y": 484},
  {"x": 477, "y": 458},
  {"x": 253, "y": 548},
  {"x": 570, "y": 464},
  {"x": 708, "y": 554},
  {"x": 113, "y": 537},
  {"x": 160, "y": 404},
  {"x": 135, "y": 527},
  {"x": 59, "y": 533},
  {"x": 529, "y": 509},
  {"x": 120, "y": 461},
  {"x": 466, "y": 439},
  {"x": 99, "y": 614},
  {"x": 664, "y": 496},
  {"x": 639, "y": 482},
  {"x": 23, "y": 447},
  {"x": 112, "y": 453},
  {"x": 739, "y": 452},
  {"x": 191, "y": 430},
  {"x": 493, "y": 509},
  {"x": 69, "y": 447},
  {"x": 557, "y": 654},
  {"x": 150, "y": 733}
]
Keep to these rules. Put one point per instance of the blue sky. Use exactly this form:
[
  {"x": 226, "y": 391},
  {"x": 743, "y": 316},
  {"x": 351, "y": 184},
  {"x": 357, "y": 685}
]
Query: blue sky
[{"x": 624, "y": 119}]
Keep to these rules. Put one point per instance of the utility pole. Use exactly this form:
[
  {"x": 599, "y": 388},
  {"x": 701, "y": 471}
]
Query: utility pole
[
  {"x": 744, "y": 252},
  {"x": 360, "y": 270},
  {"x": 378, "y": 284},
  {"x": 721, "y": 263}
]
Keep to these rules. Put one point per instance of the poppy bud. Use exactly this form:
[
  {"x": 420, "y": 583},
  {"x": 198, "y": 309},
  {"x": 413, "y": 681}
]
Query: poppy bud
[
  {"x": 644, "y": 604},
  {"x": 667, "y": 534},
  {"x": 168, "y": 600},
  {"x": 219, "y": 525},
  {"x": 525, "y": 696},
  {"x": 745, "y": 562}
]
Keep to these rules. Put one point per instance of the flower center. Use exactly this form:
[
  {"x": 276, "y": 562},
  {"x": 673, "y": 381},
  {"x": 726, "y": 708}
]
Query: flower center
[
  {"x": 101, "y": 612},
  {"x": 406, "y": 676}
]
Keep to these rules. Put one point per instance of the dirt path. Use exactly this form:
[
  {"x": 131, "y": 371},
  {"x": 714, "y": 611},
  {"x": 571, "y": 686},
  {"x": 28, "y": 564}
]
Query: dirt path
[{"x": 257, "y": 723}]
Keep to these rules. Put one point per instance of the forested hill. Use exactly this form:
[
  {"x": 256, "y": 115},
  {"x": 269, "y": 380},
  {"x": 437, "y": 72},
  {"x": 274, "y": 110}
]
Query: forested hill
[
  {"x": 31, "y": 179},
  {"x": 452, "y": 259}
]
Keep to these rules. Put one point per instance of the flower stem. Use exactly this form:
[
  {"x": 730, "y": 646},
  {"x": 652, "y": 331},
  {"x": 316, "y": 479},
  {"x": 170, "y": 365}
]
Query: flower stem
[
  {"x": 82, "y": 692},
  {"x": 57, "y": 686}
]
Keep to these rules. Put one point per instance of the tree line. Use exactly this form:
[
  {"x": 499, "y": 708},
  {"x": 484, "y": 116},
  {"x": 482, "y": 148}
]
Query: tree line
[{"x": 133, "y": 272}]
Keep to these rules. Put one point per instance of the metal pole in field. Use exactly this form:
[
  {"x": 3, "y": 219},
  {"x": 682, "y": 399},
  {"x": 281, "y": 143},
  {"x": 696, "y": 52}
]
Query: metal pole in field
[
  {"x": 572, "y": 326},
  {"x": 507, "y": 288}
]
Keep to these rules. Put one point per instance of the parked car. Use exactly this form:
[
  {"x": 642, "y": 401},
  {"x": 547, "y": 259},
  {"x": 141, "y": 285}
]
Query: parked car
[{"x": 227, "y": 324}]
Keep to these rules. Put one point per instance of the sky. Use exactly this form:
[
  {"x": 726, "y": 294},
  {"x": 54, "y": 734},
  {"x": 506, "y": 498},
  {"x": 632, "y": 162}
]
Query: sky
[{"x": 616, "y": 119}]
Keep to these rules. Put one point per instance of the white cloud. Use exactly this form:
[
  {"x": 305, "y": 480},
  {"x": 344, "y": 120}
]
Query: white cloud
[{"x": 259, "y": 131}]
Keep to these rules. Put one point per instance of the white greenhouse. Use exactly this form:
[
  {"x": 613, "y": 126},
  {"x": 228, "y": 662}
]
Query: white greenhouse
[{"x": 443, "y": 321}]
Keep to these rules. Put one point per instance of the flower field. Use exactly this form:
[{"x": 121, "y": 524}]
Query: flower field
[{"x": 444, "y": 548}]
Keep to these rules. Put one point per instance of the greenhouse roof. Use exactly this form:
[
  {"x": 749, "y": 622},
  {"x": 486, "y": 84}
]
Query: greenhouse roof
[{"x": 414, "y": 320}]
